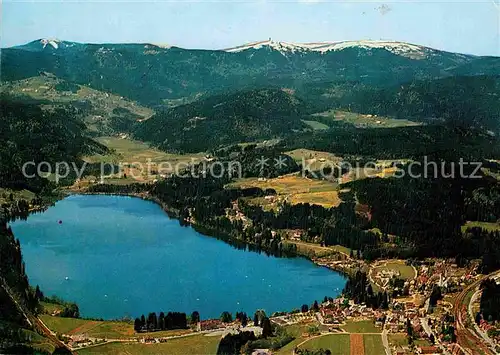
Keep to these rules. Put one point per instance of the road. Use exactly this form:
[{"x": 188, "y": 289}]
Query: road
[
  {"x": 467, "y": 338},
  {"x": 33, "y": 321},
  {"x": 385, "y": 341},
  {"x": 429, "y": 331}
]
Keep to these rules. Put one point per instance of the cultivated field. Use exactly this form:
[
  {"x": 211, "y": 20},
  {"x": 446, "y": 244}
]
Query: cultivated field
[
  {"x": 197, "y": 344},
  {"x": 313, "y": 159},
  {"x": 361, "y": 327},
  {"x": 338, "y": 344},
  {"x": 129, "y": 150},
  {"x": 373, "y": 344},
  {"x": 357, "y": 344},
  {"x": 365, "y": 121},
  {"x": 317, "y": 250},
  {"x": 44, "y": 88},
  {"x": 297, "y": 330},
  {"x": 132, "y": 154},
  {"x": 398, "y": 339},
  {"x": 101, "y": 329},
  {"x": 294, "y": 189}
]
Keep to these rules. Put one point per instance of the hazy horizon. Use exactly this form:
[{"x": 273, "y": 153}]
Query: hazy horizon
[{"x": 454, "y": 26}]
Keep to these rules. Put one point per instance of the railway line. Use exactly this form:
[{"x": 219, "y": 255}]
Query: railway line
[{"x": 466, "y": 338}]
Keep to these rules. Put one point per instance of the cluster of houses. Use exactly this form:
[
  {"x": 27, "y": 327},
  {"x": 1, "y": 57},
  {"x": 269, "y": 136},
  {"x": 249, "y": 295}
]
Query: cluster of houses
[
  {"x": 210, "y": 324},
  {"x": 446, "y": 275},
  {"x": 339, "y": 262},
  {"x": 81, "y": 341},
  {"x": 341, "y": 309},
  {"x": 384, "y": 276}
]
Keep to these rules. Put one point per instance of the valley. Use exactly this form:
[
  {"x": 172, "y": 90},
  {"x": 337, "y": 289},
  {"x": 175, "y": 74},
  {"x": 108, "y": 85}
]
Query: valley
[{"x": 299, "y": 222}]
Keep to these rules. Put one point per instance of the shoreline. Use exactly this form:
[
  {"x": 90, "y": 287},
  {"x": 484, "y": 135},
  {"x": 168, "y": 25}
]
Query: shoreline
[{"x": 205, "y": 231}]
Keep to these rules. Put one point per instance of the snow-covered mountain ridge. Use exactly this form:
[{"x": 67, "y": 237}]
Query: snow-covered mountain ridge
[{"x": 400, "y": 48}]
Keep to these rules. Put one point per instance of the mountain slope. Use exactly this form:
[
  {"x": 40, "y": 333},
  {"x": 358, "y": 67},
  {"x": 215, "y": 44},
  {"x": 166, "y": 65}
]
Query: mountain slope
[
  {"x": 462, "y": 100},
  {"x": 224, "y": 119},
  {"x": 30, "y": 134},
  {"x": 156, "y": 75},
  {"x": 102, "y": 113}
]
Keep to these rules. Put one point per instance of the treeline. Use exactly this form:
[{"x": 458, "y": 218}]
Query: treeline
[
  {"x": 483, "y": 204},
  {"x": 484, "y": 244},
  {"x": 418, "y": 216},
  {"x": 490, "y": 301},
  {"x": 30, "y": 134},
  {"x": 171, "y": 320},
  {"x": 256, "y": 161},
  {"x": 70, "y": 309},
  {"x": 446, "y": 142},
  {"x": 333, "y": 226},
  {"x": 426, "y": 214},
  {"x": 359, "y": 289},
  {"x": 245, "y": 342},
  {"x": 461, "y": 100},
  {"x": 119, "y": 189},
  {"x": 220, "y": 120},
  {"x": 320, "y": 351},
  {"x": 13, "y": 274}
]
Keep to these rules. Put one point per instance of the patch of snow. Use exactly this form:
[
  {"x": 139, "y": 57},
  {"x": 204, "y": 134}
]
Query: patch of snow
[
  {"x": 161, "y": 45},
  {"x": 53, "y": 42},
  {"x": 400, "y": 48}
]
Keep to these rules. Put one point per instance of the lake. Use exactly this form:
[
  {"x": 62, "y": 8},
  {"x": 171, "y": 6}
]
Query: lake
[{"x": 119, "y": 256}]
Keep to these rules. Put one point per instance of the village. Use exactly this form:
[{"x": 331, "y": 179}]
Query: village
[{"x": 418, "y": 319}]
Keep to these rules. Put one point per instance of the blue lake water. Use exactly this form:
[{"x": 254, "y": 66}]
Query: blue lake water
[{"x": 124, "y": 256}]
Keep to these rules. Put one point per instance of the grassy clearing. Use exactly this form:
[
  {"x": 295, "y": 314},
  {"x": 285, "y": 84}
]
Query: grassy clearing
[
  {"x": 398, "y": 340},
  {"x": 196, "y": 345},
  {"x": 406, "y": 272},
  {"x": 101, "y": 329},
  {"x": 63, "y": 325},
  {"x": 297, "y": 330},
  {"x": 373, "y": 344},
  {"x": 314, "y": 159},
  {"x": 130, "y": 150},
  {"x": 338, "y": 344},
  {"x": 315, "y": 125},
  {"x": 50, "y": 308},
  {"x": 491, "y": 173},
  {"x": 422, "y": 342},
  {"x": 102, "y": 103},
  {"x": 491, "y": 227},
  {"x": 5, "y": 195},
  {"x": 365, "y": 326},
  {"x": 131, "y": 154},
  {"x": 325, "y": 199},
  {"x": 294, "y": 189},
  {"x": 365, "y": 121},
  {"x": 316, "y": 249}
]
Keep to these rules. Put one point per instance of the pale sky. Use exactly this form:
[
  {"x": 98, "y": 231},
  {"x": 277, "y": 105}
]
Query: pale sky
[{"x": 461, "y": 26}]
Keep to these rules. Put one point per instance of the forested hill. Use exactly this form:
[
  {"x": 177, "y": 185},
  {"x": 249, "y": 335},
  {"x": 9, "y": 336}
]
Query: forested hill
[
  {"x": 153, "y": 74},
  {"x": 30, "y": 134},
  {"x": 225, "y": 119},
  {"x": 103, "y": 113},
  {"x": 441, "y": 142},
  {"x": 462, "y": 101}
]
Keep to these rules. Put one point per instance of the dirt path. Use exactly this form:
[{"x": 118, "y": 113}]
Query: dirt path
[{"x": 357, "y": 344}]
